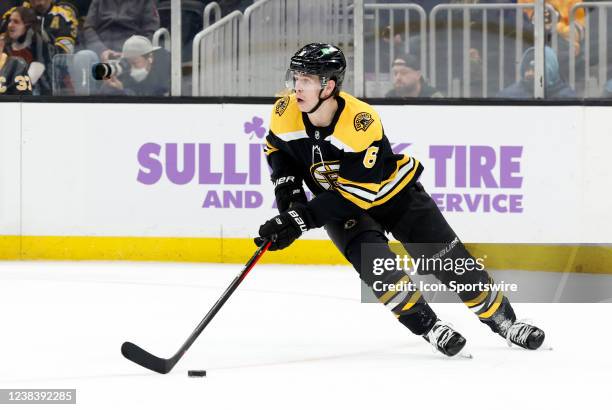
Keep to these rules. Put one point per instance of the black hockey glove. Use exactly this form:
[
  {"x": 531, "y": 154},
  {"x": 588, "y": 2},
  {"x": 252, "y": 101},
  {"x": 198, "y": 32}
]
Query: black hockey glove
[
  {"x": 285, "y": 228},
  {"x": 288, "y": 191}
]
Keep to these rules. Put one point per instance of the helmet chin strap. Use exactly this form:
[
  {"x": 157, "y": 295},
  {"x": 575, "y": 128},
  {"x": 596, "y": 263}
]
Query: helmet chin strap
[{"x": 316, "y": 107}]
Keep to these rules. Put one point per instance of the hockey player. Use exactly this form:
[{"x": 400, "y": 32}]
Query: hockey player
[
  {"x": 14, "y": 79},
  {"x": 335, "y": 144}
]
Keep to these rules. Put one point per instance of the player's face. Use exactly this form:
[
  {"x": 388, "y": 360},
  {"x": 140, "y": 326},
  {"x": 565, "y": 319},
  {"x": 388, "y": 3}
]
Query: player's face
[
  {"x": 405, "y": 77},
  {"x": 16, "y": 26},
  {"x": 40, "y": 6},
  {"x": 307, "y": 88}
]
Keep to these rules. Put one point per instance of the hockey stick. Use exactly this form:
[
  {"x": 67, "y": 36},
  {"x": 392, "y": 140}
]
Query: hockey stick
[{"x": 140, "y": 356}]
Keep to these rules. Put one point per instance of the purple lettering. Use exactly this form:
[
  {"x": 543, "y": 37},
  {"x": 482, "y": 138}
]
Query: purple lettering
[
  {"x": 253, "y": 199},
  {"x": 231, "y": 177},
  {"x": 232, "y": 199},
  {"x": 486, "y": 203},
  {"x": 497, "y": 203},
  {"x": 255, "y": 152},
  {"x": 211, "y": 200},
  {"x": 205, "y": 174},
  {"x": 516, "y": 203},
  {"x": 472, "y": 204},
  {"x": 174, "y": 175},
  {"x": 148, "y": 156},
  {"x": 460, "y": 166},
  {"x": 398, "y": 148},
  {"x": 453, "y": 203},
  {"x": 482, "y": 170},
  {"x": 440, "y": 153},
  {"x": 509, "y": 164},
  {"x": 439, "y": 200}
]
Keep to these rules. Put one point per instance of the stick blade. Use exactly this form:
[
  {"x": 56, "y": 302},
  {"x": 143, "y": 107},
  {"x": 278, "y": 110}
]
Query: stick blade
[{"x": 145, "y": 359}]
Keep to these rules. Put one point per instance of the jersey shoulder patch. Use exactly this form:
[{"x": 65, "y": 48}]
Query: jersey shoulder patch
[
  {"x": 286, "y": 116},
  {"x": 358, "y": 126},
  {"x": 63, "y": 11}
]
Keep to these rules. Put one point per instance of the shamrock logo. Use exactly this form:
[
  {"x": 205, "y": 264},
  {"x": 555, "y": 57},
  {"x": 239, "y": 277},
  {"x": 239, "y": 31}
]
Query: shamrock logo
[{"x": 255, "y": 127}]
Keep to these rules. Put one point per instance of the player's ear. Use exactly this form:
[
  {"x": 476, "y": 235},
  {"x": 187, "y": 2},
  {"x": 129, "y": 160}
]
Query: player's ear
[{"x": 329, "y": 88}]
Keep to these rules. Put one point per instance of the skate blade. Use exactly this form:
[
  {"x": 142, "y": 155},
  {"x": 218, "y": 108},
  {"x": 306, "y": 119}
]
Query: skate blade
[{"x": 464, "y": 355}]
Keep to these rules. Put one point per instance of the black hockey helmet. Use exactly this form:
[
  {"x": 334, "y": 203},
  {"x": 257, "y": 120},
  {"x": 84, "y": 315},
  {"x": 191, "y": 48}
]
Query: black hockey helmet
[{"x": 324, "y": 60}]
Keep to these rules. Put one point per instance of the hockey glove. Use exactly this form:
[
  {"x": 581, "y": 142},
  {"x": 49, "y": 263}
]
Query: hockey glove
[
  {"x": 288, "y": 191},
  {"x": 285, "y": 228}
]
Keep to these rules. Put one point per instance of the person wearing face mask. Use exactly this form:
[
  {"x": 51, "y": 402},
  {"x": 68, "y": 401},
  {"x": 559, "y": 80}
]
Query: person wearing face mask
[
  {"x": 148, "y": 74},
  {"x": 555, "y": 87}
]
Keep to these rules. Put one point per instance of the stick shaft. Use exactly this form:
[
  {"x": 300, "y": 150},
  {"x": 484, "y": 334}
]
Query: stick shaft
[
  {"x": 224, "y": 297},
  {"x": 140, "y": 356}
]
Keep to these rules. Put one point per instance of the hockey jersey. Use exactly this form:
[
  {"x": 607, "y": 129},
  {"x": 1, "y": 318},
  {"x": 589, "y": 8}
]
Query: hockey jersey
[
  {"x": 14, "y": 78},
  {"x": 351, "y": 159}
]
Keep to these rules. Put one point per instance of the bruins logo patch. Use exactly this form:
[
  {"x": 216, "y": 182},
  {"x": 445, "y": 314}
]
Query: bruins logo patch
[
  {"x": 362, "y": 121},
  {"x": 281, "y": 106},
  {"x": 326, "y": 174}
]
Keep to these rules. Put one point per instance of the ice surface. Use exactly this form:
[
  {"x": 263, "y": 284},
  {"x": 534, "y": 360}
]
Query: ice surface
[{"x": 291, "y": 337}]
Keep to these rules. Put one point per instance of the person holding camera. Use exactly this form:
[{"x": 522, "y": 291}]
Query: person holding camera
[{"x": 143, "y": 70}]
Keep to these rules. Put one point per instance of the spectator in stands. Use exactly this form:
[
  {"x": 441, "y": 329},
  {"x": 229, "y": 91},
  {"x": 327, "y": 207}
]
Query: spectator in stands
[
  {"x": 149, "y": 73},
  {"x": 109, "y": 23},
  {"x": 408, "y": 82},
  {"x": 14, "y": 78},
  {"x": 24, "y": 39},
  {"x": 57, "y": 23},
  {"x": 555, "y": 87},
  {"x": 562, "y": 9}
]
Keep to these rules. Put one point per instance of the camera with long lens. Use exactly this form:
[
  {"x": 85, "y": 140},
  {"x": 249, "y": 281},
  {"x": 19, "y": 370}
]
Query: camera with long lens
[{"x": 114, "y": 68}]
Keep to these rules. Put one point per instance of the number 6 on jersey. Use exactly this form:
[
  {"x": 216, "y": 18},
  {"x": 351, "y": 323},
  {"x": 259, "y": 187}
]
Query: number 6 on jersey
[{"x": 370, "y": 157}]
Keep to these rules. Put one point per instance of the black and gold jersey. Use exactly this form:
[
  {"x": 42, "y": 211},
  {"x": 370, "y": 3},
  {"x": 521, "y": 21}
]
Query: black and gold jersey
[
  {"x": 14, "y": 79},
  {"x": 351, "y": 157},
  {"x": 59, "y": 23}
]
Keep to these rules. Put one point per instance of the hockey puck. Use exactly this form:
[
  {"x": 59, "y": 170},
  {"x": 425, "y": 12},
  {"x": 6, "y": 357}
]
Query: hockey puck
[{"x": 196, "y": 373}]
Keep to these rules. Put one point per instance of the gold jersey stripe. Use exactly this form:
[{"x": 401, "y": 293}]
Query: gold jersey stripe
[
  {"x": 389, "y": 294},
  {"x": 364, "y": 204},
  {"x": 477, "y": 300},
  {"x": 269, "y": 148},
  {"x": 493, "y": 307},
  {"x": 370, "y": 186},
  {"x": 412, "y": 301}
]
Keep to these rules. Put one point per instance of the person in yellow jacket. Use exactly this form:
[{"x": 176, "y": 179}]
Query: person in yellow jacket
[{"x": 563, "y": 9}]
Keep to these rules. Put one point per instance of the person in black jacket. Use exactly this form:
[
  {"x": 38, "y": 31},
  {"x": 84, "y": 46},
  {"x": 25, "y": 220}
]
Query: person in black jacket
[
  {"x": 408, "y": 82},
  {"x": 555, "y": 87}
]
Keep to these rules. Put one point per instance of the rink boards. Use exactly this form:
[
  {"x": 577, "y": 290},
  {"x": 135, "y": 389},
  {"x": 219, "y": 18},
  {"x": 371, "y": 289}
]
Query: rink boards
[{"x": 190, "y": 182}]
